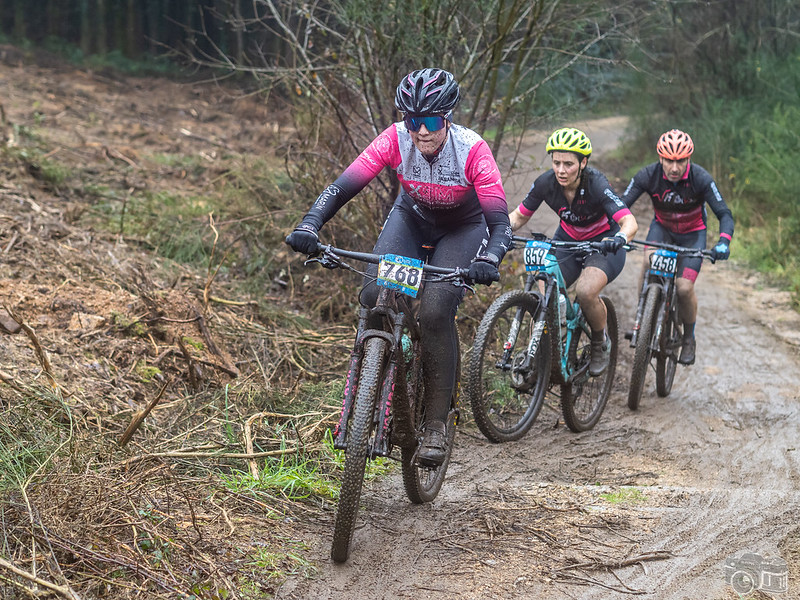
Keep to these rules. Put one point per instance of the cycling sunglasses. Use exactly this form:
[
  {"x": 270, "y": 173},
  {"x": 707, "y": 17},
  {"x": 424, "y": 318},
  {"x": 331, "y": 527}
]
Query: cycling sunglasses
[{"x": 432, "y": 122}]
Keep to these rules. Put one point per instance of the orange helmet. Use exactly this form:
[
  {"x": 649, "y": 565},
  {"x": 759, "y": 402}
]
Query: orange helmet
[{"x": 675, "y": 145}]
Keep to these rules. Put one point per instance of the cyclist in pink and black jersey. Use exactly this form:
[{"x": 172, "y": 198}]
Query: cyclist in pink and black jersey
[
  {"x": 680, "y": 191},
  {"x": 588, "y": 209},
  {"x": 452, "y": 200}
]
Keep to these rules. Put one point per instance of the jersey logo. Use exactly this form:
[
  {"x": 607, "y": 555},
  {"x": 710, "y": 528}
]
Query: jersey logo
[
  {"x": 329, "y": 193},
  {"x": 615, "y": 198},
  {"x": 674, "y": 198},
  {"x": 449, "y": 176}
]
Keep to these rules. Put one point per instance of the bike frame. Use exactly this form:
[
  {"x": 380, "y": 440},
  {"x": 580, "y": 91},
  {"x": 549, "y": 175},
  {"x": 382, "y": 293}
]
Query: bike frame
[
  {"x": 553, "y": 285},
  {"x": 668, "y": 298},
  {"x": 668, "y": 287},
  {"x": 396, "y": 407}
]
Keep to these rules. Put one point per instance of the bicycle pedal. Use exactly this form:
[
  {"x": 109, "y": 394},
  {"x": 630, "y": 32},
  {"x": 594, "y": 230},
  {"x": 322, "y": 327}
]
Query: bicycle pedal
[{"x": 629, "y": 335}]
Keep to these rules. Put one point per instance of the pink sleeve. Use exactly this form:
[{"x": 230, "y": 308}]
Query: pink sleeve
[
  {"x": 527, "y": 212},
  {"x": 481, "y": 170},
  {"x": 384, "y": 151},
  {"x": 623, "y": 212}
]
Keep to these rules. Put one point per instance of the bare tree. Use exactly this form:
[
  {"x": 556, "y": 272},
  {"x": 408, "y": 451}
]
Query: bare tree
[{"x": 337, "y": 62}]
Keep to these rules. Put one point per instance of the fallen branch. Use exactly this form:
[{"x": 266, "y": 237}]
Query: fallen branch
[
  {"x": 140, "y": 416},
  {"x": 219, "y": 300},
  {"x": 194, "y": 136},
  {"x": 8, "y": 380},
  {"x": 595, "y": 565},
  {"x": 65, "y": 591},
  {"x": 248, "y": 443},
  {"x": 591, "y": 581},
  {"x": 40, "y": 353},
  {"x": 224, "y": 455}
]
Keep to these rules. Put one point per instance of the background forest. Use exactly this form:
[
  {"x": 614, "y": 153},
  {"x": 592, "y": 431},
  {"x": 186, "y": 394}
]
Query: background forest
[
  {"x": 727, "y": 71},
  {"x": 322, "y": 76}
]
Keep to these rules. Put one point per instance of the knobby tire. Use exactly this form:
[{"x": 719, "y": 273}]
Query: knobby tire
[
  {"x": 506, "y": 401},
  {"x": 669, "y": 347},
  {"x": 357, "y": 453},
  {"x": 584, "y": 398},
  {"x": 644, "y": 345},
  {"x": 422, "y": 484}
]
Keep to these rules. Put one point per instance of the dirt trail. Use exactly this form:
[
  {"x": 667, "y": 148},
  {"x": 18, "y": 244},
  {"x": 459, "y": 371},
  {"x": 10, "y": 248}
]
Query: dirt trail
[{"x": 650, "y": 503}]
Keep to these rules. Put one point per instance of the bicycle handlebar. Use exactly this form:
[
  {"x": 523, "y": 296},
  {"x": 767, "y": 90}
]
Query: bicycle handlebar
[
  {"x": 332, "y": 253},
  {"x": 699, "y": 252},
  {"x": 584, "y": 246}
]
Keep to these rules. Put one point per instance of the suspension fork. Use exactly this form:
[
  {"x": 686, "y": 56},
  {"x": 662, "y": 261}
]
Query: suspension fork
[
  {"x": 567, "y": 333},
  {"x": 505, "y": 363},
  {"x": 351, "y": 382},
  {"x": 637, "y": 323},
  {"x": 541, "y": 321},
  {"x": 394, "y": 405},
  {"x": 667, "y": 301}
]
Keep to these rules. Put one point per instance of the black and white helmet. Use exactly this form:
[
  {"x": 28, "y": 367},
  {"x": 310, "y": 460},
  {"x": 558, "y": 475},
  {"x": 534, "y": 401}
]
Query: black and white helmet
[{"x": 427, "y": 91}]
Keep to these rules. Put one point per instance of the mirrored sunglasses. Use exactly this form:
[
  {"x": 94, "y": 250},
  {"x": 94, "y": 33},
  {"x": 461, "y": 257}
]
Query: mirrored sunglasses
[{"x": 432, "y": 123}]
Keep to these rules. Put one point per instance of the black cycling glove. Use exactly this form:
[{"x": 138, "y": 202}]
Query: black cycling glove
[
  {"x": 304, "y": 239},
  {"x": 614, "y": 243},
  {"x": 483, "y": 270},
  {"x": 722, "y": 250}
]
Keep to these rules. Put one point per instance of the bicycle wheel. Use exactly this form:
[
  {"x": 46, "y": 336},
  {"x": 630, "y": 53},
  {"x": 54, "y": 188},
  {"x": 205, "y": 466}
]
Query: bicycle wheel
[
  {"x": 584, "y": 398},
  {"x": 422, "y": 484},
  {"x": 644, "y": 345},
  {"x": 357, "y": 453},
  {"x": 669, "y": 346},
  {"x": 506, "y": 390}
]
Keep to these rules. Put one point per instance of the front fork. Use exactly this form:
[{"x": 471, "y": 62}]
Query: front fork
[
  {"x": 391, "y": 397},
  {"x": 507, "y": 362},
  {"x": 351, "y": 383}
]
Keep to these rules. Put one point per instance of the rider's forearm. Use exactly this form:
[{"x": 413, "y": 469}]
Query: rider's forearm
[
  {"x": 628, "y": 226},
  {"x": 517, "y": 219},
  {"x": 499, "y": 234}
]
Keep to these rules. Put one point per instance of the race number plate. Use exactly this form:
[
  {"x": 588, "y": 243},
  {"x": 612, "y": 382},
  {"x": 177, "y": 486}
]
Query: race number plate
[
  {"x": 400, "y": 273},
  {"x": 536, "y": 255},
  {"x": 664, "y": 263}
]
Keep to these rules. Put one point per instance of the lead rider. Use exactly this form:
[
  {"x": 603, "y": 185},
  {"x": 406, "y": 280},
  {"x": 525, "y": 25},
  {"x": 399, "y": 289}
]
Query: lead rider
[{"x": 452, "y": 200}]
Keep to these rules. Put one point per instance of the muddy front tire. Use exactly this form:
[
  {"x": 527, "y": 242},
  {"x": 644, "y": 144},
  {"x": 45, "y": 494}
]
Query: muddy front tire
[
  {"x": 506, "y": 395},
  {"x": 357, "y": 453},
  {"x": 644, "y": 346}
]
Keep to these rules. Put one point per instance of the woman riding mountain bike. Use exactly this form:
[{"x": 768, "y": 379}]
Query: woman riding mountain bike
[
  {"x": 452, "y": 200},
  {"x": 589, "y": 210}
]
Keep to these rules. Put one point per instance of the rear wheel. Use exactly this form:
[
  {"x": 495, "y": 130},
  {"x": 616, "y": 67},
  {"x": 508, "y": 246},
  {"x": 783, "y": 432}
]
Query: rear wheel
[
  {"x": 357, "y": 453},
  {"x": 644, "y": 346},
  {"x": 506, "y": 387},
  {"x": 422, "y": 484},
  {"x": 669, "y": 348},
  {"x": 584, "y": 398}
]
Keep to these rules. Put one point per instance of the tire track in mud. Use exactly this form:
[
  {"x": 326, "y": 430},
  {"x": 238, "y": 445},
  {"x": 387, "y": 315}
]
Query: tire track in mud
[{"x": 711, "y": 472}]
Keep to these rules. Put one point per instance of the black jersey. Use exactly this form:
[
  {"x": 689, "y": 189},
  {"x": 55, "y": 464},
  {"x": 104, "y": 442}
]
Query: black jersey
[
  {"x": 588, "y": 216},
  {"x": 680, "y": 206}
]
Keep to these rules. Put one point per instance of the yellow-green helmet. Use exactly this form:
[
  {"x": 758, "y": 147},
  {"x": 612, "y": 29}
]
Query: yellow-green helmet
[{"x": 569, "y": 139}]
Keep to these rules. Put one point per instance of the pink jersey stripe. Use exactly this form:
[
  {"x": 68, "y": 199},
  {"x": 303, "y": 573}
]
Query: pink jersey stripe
[{"x": 585, "y": 233}]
